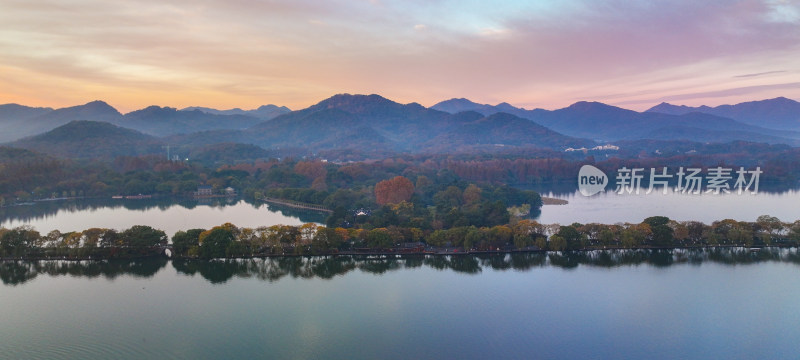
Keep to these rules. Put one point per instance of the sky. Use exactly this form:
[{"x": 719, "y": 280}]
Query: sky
[{"x": 295, "y": 53}]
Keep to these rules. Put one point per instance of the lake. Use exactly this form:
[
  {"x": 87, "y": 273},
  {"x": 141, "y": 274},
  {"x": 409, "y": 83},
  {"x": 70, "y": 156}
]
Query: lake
[
  {"x": 609, "y": 207},
  {"x": 170, "y": 215},
  {"x": 698, "y": 304}
]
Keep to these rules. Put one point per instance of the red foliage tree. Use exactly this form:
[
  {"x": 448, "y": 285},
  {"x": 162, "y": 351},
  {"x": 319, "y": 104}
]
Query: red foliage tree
[
  {"x": 310, "y": 169},
  {"x": 393, "y": 191}
]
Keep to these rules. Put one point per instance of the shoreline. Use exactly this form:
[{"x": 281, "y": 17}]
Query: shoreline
[
  {"x": 295, "y": 204},
  {"x": 553, "y": 201}
]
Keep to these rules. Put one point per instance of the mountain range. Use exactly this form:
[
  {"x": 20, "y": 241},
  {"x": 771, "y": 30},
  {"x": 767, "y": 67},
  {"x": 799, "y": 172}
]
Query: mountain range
[
  {"x": 17, "y": 121},
  {"x": 371, "y": 121},
  {"x": 609, "y": 123},
  {"x": 778, "y": 113},
  {"x": 264, "y": 112},
  {"x": 373, "y": 124}
]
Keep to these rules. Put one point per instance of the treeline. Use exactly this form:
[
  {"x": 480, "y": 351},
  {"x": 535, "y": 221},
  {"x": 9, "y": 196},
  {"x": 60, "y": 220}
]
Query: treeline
[
  {"x": 99, "y": 243},
  {"x": 778, "y": 167},
  {"x": 519, "y": 234},
  {"x": 25, "y": 175},
  {"x": 227, "y": 240},
  {"x": 662, "y": 232}
]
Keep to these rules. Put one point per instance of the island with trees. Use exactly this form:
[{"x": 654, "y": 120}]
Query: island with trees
[{"x": 394, "y": 237}]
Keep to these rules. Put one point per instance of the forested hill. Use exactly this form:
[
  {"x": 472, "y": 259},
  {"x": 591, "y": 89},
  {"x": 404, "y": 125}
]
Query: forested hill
[
  {"x": 17, "y": 121},
  {"x": 91, "y": 139}
]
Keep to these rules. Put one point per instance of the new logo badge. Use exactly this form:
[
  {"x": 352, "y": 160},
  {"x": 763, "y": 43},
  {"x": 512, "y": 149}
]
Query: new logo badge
[{"x": 591, "y": 180}]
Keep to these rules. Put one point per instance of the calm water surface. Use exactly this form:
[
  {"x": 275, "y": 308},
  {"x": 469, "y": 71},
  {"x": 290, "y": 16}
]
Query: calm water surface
[
  {"x": 634, "y": 304},
  {"x": 609, "y": 207},
  {"x": 169, "y": 215},
  {"x": 627, "y": 304}
]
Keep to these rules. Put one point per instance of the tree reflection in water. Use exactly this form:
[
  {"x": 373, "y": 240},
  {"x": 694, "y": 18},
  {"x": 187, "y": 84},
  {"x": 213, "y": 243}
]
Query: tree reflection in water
[
  {"x": 18, "y": 272},
  {"x": 327, "y": 267}
]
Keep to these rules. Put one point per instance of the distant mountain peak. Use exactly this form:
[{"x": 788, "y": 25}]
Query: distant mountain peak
[
  {"x": 343, "y": 99},
  {"x": 94, "y": 110},
  {"x": 779, "y": 99},
  {"x": 272, "y": 107},
  {"x": 354, "y": 103},
  {"x": 459, "y": 101},
  {"x": 785, "y": 101},
  {"x": 505, "y": 105},
  {"x": 457, "y": 105},
  {"x": 97, "y": 103},
  {"x": 93, "y": 106},
  {"x": 584, "y": 103},
  {"x": 152, "y": 110},
  {"x": 593, "y": 106},
  {"x": 670, "y": 109}
]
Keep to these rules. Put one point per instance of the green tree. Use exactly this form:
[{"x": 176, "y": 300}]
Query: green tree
[
  {"x": 182, "y": 241},
  {"x": 500, "y": 236},
  {"x": 770, "y": 225},
  {"x": 449, "y": 198},
  {"x": 379, "y": 238},
  {"x": 541, "y": 242},
  {"x": 18, "y": 241},
  {"x": 109, "y": 238},
  {"x": 472, "y": 195},
  {"x": 474, "y": 237},
  {"x": 214, "y": 242},
  {"x": 662, "y": 234},
  {"x": 571, "y": 236},
  {"x": 557, "y": 243},
  {"x": 143, "y": 236},
  {"x": 606, "y": 237},
  {"x": 794, "y": 232},
  {"x": 437, "y": 238},
  {"x": 327, "y": 238}
]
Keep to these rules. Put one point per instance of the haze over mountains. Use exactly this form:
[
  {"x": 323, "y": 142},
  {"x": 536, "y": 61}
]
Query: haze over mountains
[{"x": 373, "y": 124}]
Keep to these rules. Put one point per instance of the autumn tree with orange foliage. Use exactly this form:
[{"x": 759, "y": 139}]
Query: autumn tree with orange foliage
[
  {"x": 310, "y": 169},
  {"x": 393, "y": 191}
]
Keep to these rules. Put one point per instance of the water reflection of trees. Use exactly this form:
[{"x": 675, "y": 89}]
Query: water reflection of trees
[
  {"x": 327, "y": 267},
  {"x": 45, "y": 209},
  {"x": 18, "y": 272},
  {"x": 305, "y": 216}
]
